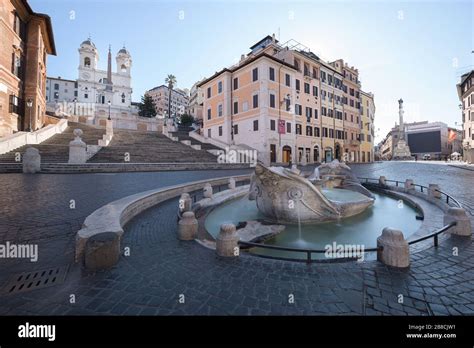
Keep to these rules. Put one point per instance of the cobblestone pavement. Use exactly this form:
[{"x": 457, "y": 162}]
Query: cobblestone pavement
[{"x": 161, "y": 268}]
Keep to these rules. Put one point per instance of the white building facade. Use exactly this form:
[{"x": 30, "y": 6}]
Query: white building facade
[{"x": 99, "y": 94}]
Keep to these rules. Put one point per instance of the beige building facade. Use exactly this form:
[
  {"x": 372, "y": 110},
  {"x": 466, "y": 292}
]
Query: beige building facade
[
  {"x": 285, "y": 102},
  {"x": 160, "y": 96},
  {"x": 466, "y": 96},
  {"x": 367, "y": 114}
]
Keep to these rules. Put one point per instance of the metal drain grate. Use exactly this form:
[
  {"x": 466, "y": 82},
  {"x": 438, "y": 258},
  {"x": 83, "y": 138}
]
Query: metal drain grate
[{"x": 35, "y": 280}]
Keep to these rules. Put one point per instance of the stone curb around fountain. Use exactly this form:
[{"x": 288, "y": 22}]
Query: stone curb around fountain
[
  {"x": 204, "y": 207},
  {"x": 113, "y": 216}
]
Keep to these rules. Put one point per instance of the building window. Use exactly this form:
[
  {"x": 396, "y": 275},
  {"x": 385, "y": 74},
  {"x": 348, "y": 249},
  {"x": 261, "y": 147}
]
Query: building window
[
  {"x": 255, "y": 101},
  {"x": 315, "y": 91},
  {"x": 288, "y": 127},
  {"x": 15, "y": 103},
  {"x": 17, "y": 63},
  {"x": 87, "y": 62},
  {"x": 272, "y": 100},
  {"x": 220, "y": 131},
  {"x": 298, "y": 110},
  {"x": 86, "y": 96},
  {"x": 209, "y": 113},
  {"x": 209, "y": 133},
  {"x": 298, "y": 129},
  {"x": 56, "y": 86},
  {"x": 19, "y": 27},
  {"x": 255, "y": 125},
  {"x": 219, "y": 87},
  {"x": 271, "y": 74},
  {"x": 309, "y": 131},
  {"x": 316, "y": 132},
  {"x": 236, "y": 129},
  {"x": 309, "y": 112},
  {"x": 272, "y": 125},
  {"x": 56, "y": 95},
  {"x": 208, "y": 92},
  {"x": 324, "y": 111},
  {"x": 236, "y": 108},
  {"x": 331, "y": 133},
  {"x": 287, "y": 101},
  {"x": 287, "y": 80},
  {"x": 306, "y": 88},
  {"x": 297, "y": 84},
  {"x": 255, "y": 74},
  {"x": 236, "y": 83},
  {"x": 325, "y": 132},
  {"x": 219, "y": 110},
  {"x": 316, "y": 113}
]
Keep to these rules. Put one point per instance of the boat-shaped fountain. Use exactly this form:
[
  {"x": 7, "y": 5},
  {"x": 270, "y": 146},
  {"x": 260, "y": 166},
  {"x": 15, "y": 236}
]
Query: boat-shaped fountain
[{"x": 284, "y": 195}]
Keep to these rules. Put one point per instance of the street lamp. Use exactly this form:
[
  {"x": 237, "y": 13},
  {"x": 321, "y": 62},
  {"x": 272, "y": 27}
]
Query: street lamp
[
  {"x": 75, "y": 101},
  {"x": 109, "y": 110},
  {"x": 29, "y": 104}
]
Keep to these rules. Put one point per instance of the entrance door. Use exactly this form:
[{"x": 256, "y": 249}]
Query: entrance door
[
  {"x": 272, "y": 153},
  {"x": 328, "y": 155},
  {"x": 338, "y": 152},
  {"x": 286, "y": 154},
  {"x": 316, "y": 154}
]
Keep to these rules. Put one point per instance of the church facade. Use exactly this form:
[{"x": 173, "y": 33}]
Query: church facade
[{"x": 101, "y": 94}]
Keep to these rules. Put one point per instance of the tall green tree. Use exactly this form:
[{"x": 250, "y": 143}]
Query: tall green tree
[
  {"x": 186, "y": 120},
  {"x": 171, "y": 81},
  {"x": 147, "y": 107}
]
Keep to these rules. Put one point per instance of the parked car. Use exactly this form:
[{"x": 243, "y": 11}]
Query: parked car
[{"x": 426, "y": 156}]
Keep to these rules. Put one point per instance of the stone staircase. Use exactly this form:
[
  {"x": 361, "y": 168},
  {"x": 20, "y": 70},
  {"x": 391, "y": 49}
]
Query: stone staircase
[
  {"x": 56, "y": 148},
  {"x": 150, "y": 147},
  {"x": 183, "y": 135}
]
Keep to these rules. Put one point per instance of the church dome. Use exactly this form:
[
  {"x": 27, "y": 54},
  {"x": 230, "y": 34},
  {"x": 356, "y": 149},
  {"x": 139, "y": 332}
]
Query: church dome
[
  {"x": 123, "y": 51},
  {"x": 88, "y": 42}
]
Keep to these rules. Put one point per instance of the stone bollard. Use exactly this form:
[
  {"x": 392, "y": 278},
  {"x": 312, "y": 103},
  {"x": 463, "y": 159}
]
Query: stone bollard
[
  {"x": 463, "y": 227},
  {"x": 185, "y": 202},
  {"x": 433, "y": 191},
  {"x": 396, "y": 251},
  {"x": 227, "y": 241},
  {"x": 31, "y": 161},
  {"x": 231, "y": 184},
  {"x": 102, "y": 251},
  {"x": 77, "y": 149},
  {"x": 187, "y": 226},
  {"x": 207, "y": 191},
  {"x": 409, "y": 184},
  {"x": 382, "y": 181}
]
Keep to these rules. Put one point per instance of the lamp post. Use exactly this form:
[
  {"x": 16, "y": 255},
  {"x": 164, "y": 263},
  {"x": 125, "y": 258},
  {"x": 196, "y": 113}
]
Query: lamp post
[
  {"x": 29, "y": 104},
  {"x": 109, "y": 110},
  {"x": 75, "y": 101}
]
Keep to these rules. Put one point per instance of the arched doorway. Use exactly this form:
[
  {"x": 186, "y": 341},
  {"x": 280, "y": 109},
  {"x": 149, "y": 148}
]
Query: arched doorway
[
  {"x": 338, "y": 151},
  {"x": 316, "y": 154},
  {"x": 286, "y": 154}
]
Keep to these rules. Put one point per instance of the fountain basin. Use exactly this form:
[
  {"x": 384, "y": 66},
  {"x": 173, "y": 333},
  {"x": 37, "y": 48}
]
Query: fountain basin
[{"x": 361, "y": 229}]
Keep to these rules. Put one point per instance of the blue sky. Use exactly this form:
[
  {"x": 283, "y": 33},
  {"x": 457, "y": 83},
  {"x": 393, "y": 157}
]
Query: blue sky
[{"x": 411, "y": 49}]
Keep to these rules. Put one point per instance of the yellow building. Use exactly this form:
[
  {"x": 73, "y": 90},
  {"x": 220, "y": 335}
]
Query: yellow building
[
  {"x": 286, "y": 103},
  {"x": 367, "y": 127}
]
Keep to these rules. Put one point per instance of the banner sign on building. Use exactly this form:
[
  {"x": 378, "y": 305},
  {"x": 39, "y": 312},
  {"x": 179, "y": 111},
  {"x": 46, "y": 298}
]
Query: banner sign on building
[{"x": 281, "y": 126}]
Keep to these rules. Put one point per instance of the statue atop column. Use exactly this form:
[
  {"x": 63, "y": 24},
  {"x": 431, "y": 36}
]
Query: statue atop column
[
  {"x": 401, "y": 126},
  {"x": 401, "y": 151}
]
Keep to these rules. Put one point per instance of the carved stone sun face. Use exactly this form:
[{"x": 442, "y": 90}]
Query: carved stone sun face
[{"x": 295, "y": 193}]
